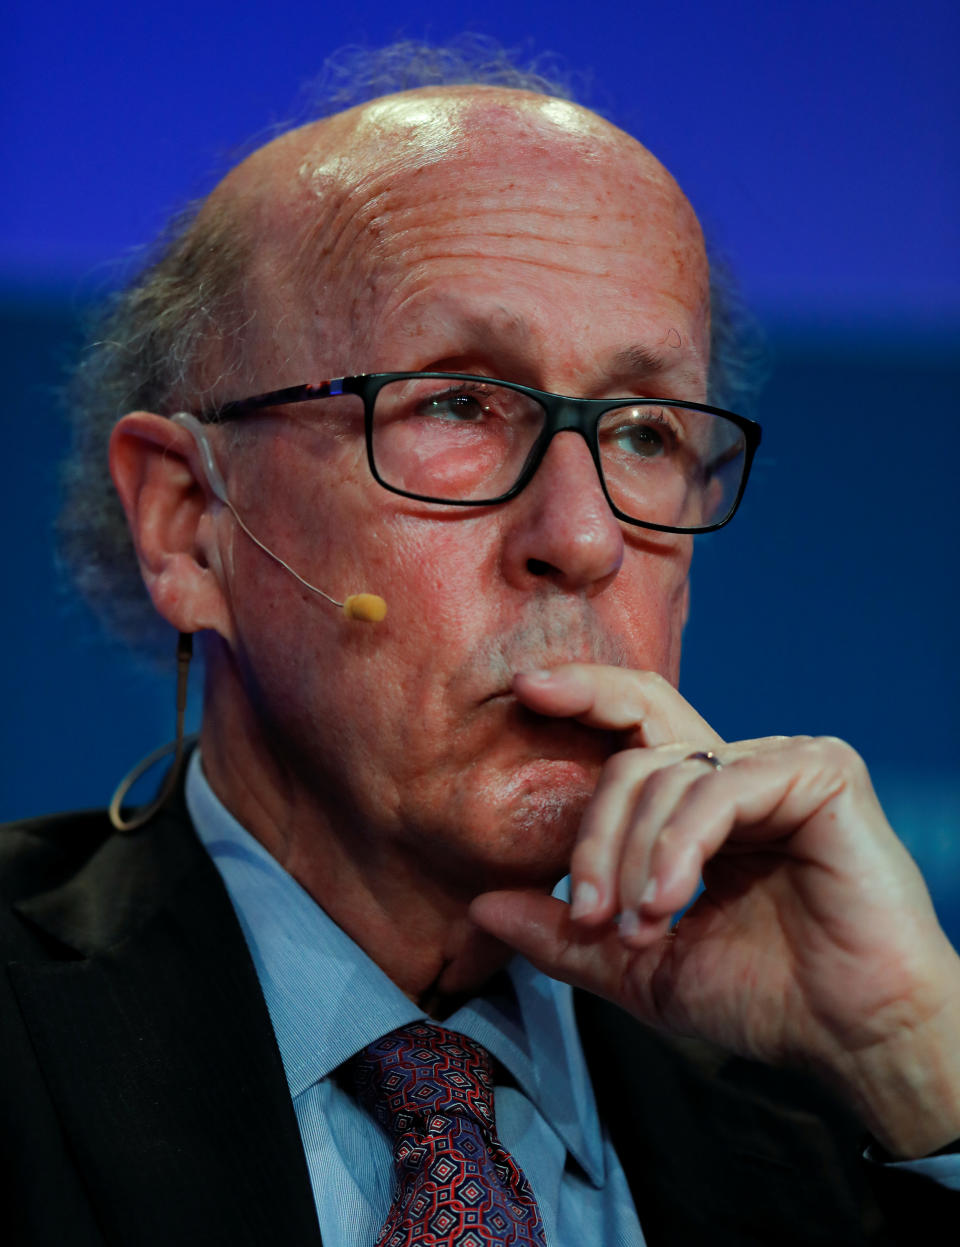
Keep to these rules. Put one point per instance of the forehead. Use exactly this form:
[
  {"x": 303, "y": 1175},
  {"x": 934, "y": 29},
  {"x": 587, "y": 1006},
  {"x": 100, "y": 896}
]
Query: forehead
[{"x": 467, "y": 193}]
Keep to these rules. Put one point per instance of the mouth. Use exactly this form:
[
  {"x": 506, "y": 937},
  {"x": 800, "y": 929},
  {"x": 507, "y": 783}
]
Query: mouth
[
  {"x": 502, "y": 694},
  {"x": 548, "y": 737}
]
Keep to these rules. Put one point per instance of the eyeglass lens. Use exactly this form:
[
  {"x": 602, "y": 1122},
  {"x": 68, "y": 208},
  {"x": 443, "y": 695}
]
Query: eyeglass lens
[{"x": 469, "y": 441}]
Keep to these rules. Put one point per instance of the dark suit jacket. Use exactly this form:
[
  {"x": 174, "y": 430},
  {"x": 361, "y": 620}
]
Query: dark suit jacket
[{"x": 144, "y": 1100}]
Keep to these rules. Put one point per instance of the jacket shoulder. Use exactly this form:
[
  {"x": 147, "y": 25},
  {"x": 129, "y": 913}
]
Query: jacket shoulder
[{"x": 39, "y": 853}]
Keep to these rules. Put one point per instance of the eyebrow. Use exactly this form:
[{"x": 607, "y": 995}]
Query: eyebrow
[
  {"x": 629, "y": 361},
  {"x": 631, "y": 365},
  {"x": 638, "y": 360}
]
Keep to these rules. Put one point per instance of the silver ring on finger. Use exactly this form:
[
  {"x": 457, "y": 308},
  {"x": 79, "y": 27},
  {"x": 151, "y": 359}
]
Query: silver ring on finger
[{"x": 707, "y": 756}]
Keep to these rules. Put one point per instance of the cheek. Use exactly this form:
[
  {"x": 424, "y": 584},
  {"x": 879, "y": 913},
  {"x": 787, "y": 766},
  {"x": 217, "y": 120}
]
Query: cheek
[
  {"x": 308, "y": 507},
  {"x": 438, "y": 580},
  {"x": 654, "y": 589},
  {"x": 438, "y": 570}
]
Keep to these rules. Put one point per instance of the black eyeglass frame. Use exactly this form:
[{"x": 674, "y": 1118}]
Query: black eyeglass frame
[{"x": 563, "y": 414}]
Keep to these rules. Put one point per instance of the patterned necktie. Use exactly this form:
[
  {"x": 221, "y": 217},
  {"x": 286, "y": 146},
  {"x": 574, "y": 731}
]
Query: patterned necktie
[{"x": 457, "y": 1186}]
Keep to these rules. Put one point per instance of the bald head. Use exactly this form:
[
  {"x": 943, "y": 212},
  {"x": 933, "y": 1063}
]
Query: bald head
[
  {"x": 349, "y": 210},
  {"x": 415, "y": 129}
]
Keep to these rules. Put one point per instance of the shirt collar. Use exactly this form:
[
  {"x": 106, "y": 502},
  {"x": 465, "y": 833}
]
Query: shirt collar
[{"x": 327, "y": 999}]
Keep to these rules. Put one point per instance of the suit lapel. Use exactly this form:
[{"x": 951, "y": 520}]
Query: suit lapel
[{"x": 157, "y": 1048}]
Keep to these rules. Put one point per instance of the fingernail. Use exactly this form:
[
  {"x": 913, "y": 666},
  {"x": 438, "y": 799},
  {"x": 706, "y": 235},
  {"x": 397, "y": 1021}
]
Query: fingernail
[
  {"x": 649, "y": 894},
  {"x": 629, "y": 923},
  {"x": 586, "y": 897},
  {"x": 540, "y": 676}
]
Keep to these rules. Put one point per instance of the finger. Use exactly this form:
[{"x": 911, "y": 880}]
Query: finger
[
  {"x": 596, "y": 857},
  {"x": 662, "y": 856},
  {"x": 761, "y": 798},
  {"x": 541, "y": 929},
  {"x": 635, "y": 795},
  {"x": 605, "y": 834},
  {"x": 642, "y": 703},
  {"x": 661, "y": 794}
]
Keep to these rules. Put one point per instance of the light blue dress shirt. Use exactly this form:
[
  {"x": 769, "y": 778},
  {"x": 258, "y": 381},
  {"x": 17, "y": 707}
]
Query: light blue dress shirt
[{"x": 327, "y": 1000}]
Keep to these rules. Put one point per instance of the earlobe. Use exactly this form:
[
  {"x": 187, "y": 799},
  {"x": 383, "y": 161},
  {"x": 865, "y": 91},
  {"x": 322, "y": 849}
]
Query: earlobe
[{"x": 167, "y": 504}]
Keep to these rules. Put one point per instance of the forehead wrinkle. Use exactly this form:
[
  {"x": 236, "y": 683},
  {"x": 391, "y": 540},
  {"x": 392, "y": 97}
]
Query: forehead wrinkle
[
  {"x": 351, "y": 199},
  {"x": 399, "y": 272},
  {"x": 401, "y": 229},
  {"x": 319, "y": 265},
  {"x": 453, "y": 229},
  {"x": 353, "y": 228},
  {"x": 473, "y": 251},
  {"x": 450, "y": 206},
  {"x": 404, "y": 228}
]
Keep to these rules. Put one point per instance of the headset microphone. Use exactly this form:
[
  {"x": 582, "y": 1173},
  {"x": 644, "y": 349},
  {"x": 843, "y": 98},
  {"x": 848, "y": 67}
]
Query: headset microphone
[{"x": 369, "y": 607}]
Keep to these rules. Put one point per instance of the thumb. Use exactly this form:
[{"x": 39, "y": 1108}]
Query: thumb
[{"x": 540, "y": 927}]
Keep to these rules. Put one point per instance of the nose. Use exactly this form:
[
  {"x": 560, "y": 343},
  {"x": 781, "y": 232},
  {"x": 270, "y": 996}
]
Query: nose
[{"x": 561, "y": 526}]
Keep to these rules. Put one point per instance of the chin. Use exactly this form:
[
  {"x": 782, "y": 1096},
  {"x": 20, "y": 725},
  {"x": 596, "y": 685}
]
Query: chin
[{"x": 514, "y": 826}]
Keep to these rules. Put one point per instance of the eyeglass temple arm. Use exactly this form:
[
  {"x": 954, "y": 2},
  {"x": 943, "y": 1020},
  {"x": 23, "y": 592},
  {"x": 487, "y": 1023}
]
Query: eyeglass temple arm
[{"x": 277, "y": 398}]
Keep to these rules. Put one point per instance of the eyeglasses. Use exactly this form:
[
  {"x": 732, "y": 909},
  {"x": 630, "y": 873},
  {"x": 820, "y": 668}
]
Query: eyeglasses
[{"x": 468, "y": 441}]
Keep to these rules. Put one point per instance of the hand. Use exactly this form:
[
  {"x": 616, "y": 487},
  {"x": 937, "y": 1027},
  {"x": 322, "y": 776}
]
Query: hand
[{"x": 814, "y": 941}]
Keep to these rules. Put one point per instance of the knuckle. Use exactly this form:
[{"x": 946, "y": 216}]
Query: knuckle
[
  {"x": 840, "y": 754},
  {"x": 660, "y": 779},
  {"x": 652, "y": 679},
  {"x": 669, "y": 838},
  {"x": 650, "y": 686},
  {"x": 829, "y": 755}
]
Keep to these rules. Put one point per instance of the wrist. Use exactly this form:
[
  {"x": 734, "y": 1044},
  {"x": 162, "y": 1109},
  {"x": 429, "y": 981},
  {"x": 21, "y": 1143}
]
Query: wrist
[{"x": 906, "y": 1090}]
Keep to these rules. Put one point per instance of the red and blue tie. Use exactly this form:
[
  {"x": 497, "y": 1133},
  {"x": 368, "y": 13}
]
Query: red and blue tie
[{"x": 432, "y": 1091}]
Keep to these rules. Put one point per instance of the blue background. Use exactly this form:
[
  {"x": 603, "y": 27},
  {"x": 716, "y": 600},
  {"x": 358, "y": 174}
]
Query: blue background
[{"x": 818, "y": 144}]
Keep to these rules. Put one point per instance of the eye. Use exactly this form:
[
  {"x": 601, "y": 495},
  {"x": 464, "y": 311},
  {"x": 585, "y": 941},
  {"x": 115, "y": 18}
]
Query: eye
[
  {"x": 459, "y": 406},
  {"x": 640, "y": 439},
  {"x": 641, "y": 432}
]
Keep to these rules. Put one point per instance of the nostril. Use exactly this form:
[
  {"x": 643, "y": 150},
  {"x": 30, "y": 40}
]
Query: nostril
[{"x": 537, "y": 567}]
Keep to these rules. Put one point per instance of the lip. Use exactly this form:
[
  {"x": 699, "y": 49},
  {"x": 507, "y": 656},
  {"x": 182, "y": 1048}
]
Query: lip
[
  {"x": 503, "y": 692},
  {"x": 506, "y": 691},
  {"x": 506, "y": 664},
  {"x": 547, "y": 738},
  {"x": 539, "y": 664}
]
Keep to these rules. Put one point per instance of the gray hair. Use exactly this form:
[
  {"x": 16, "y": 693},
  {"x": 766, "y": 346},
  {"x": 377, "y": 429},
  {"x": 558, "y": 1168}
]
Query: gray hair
[{"x": 168, "y": 338}]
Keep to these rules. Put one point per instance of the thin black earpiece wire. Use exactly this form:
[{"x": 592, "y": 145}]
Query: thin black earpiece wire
[{"x": 184, "y": 654}]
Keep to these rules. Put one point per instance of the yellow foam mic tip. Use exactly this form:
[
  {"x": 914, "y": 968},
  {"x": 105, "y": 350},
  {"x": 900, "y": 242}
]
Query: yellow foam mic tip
[{"x": 367, "y": 606}]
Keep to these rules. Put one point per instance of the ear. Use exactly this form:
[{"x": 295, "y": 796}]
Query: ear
[
  {"x": 685, "y": 607},
  {"x": 169, "y": 507}
]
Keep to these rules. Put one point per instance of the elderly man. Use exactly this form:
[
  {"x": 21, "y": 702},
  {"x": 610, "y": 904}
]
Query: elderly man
[{"x": 288, "y": 998}]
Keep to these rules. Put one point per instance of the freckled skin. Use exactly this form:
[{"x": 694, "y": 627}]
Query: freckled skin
[{"x": 479, "y": 230}]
